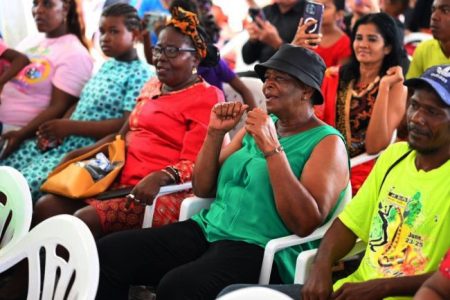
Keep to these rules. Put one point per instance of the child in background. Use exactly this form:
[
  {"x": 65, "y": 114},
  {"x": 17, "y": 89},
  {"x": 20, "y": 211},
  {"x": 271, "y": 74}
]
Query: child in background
[
  {"x": 105, "y": 102},
  {"x": 11, "y": 62}
]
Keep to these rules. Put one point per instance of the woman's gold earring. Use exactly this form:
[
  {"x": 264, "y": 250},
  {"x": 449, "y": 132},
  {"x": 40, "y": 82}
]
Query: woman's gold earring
[{"x": 194, "y": 70}]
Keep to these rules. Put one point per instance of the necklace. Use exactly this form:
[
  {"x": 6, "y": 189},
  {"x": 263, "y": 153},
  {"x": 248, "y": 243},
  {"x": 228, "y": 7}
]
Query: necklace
[
  {"x": 167, "y": 89},
  {"x": 364, "y": 88}
]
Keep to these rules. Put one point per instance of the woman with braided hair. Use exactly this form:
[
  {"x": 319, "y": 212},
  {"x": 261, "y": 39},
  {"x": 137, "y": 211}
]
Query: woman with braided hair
[{"x": 163, "y": 136}]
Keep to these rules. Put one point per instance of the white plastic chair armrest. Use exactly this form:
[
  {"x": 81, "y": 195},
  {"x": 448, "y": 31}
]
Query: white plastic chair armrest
[
  {"x": 362, "y": 158},
  {"x": 173, "y": 188},
  {"x": 275, "y": 245},
  {"x": 193, "y": 205},
  {"x": 303, "y": 265},
  {"x": 306, "y": 258},
  {"x": 168, "y": 189}
]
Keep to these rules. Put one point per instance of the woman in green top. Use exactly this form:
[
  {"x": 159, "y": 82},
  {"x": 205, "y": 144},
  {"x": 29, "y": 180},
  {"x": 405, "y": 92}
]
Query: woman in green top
[{"x": 282, "y": 174}]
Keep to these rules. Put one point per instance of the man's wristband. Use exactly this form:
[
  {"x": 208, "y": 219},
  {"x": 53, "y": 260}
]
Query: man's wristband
[{"x": 278, "y": 149}]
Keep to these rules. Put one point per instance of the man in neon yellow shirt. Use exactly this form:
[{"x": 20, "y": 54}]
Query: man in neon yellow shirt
[
  {"x": 435, "y": 51},
  {"x": 402, "y": 214},
  {"x": 402, "y": 211}
]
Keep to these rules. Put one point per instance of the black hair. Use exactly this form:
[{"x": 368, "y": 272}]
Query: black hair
[
  {"x": 186, "y": 5},
  {"x": 128, "y": 12},
  {"x": 212, "y": 52},
  {"x": 74, "y": 22},
  {"x": 208, "y": 21},
  {"x": 202, "y": 8},
  {"x": 388, "y": 30},
  {"x": 340, "y": 4},
  {"x": 404, "y": 3}
]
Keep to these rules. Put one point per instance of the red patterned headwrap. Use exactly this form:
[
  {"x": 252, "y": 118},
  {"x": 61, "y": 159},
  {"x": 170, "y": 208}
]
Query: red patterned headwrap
[{"x": 187, "y": 23}]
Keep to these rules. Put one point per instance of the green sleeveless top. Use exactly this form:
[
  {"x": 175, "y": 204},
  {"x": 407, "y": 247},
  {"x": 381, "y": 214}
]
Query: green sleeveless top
[{"x": 244, "y": 208}]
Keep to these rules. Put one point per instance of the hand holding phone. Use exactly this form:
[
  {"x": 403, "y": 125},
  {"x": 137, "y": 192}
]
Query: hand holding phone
[
  {"x": 306, "y": 40},
  {"x": 153, "y": 20},
  {"x": 256, "y": 13},
  {"x": 313, "y": 11}
]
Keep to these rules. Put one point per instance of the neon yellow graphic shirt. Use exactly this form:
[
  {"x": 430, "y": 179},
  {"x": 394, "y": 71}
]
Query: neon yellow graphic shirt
[{"x": 406, "y": 224}]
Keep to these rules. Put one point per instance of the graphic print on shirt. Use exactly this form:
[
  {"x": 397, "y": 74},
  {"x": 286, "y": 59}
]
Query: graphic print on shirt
[
  {"x": 396, "y": 248},
  {"x": 36, "y": 72}
]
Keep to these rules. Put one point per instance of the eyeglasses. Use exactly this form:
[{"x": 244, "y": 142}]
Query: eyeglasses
[{"x": 170, "y": 51}]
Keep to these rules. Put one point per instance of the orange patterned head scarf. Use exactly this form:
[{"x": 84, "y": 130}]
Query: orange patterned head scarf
[{"x": 187, "y": 23}]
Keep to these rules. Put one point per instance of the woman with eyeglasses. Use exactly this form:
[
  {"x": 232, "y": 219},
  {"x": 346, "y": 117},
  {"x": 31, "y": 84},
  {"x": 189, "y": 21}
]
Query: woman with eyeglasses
[{"x": 163, "y": 136}]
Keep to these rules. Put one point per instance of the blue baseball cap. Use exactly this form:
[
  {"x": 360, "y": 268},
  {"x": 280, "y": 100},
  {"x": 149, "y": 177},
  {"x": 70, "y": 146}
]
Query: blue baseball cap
[{"x": 436, "y": 77}]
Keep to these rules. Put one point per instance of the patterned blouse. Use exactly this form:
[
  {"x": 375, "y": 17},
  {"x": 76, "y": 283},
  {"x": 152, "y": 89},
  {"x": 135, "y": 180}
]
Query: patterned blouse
[{"x": 354, "y": 105}]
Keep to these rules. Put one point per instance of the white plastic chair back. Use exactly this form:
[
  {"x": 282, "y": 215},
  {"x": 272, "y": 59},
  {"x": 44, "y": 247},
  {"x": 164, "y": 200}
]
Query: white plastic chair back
[
  {"x": 414, "y": 39},
  {"x": 255, "y": 293},
  {"x": 255, "y": 86},
  {"x": 82, "y": 266},
  {"x": 278, "y": 244},
  {"x": 234, "y": 48},
  {"x": 17, "y": 208}
]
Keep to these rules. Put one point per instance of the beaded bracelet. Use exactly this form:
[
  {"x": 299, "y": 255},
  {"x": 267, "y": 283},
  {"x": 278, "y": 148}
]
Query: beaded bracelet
[
  {"x": 169, "y": 174},
  {"x": 273, "y": 152}
]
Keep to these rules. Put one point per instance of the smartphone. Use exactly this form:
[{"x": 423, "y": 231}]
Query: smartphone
[
  {"x": 255, "y": 12},
  {"x": 153, "y": 18},
  {"x": 3, "y": 145},
  {"x": 111, "y": 194},
  {"x": 313, "y": 11}
]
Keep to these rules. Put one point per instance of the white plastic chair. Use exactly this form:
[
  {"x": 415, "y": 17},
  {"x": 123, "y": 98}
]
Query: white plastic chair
[
  {"x": 365, "y": 157},
  {"x": 193, "y": 205},
  {"x": 255, "y": 293},
  {"x": 82, "y": 265},
  {"x": 18, "y": 206},
  {"x": 255, "y": 86},
  {"x": 306, "y": 258},
  {"x": 168, "y": 189},
  {"x": 414, "y": 39},
  {"x": 234, "y": 48},
  {"x": 279, "y": 244}
]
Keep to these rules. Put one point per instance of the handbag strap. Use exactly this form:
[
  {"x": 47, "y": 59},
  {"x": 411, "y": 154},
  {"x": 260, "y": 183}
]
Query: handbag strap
[{"x": 392, "y": 166}]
